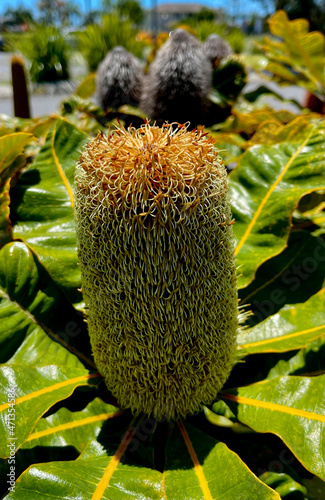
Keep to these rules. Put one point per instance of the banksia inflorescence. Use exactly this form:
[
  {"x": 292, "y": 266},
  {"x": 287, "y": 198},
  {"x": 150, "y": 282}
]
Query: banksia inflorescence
[
  {"x": 155, "y": 243},
  {"x": 179, "y": 80},
  {"x": 119, "y": 79},
  {"x": 216, "y": 49}
]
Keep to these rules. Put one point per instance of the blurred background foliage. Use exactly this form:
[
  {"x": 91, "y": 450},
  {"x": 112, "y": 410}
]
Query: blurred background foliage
[{"x": 58, "y": 32}]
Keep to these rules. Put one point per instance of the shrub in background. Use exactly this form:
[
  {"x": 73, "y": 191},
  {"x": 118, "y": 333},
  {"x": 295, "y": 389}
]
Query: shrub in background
[
  {"x": 47, "y": 52},
  {"x": 98, "y": 39},
  {"x": 19, "y": 85},
  {"x": 234, "y": 36}
]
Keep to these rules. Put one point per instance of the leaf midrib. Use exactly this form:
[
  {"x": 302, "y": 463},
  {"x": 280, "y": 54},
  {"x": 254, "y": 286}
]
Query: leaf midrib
[{"x": 270, "y": 192}]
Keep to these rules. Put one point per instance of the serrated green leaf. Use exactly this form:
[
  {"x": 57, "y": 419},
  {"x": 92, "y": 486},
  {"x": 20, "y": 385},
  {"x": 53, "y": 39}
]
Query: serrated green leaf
[
  {"x": 291, "y": 277},
  {"x": 264, "y": 191},
  {"x": 32, "y": 304},
  {"x": 193, "y": 470},
  {"x": 5, "y": 182},
  {"x": 282, "y": 404},
  {"x": 293, "y": 327},
  {"x": 35, "y": 390},
  {"x": 249, "y": 122},
  {"x": 305, "y": 51},
  {"x": 309, "y": 361},
  {"x": 271, "y": 132},
  {"x": 42, "y": 206},
  {"x": 11, "y": 161},
  {"x": 285, "y": 485},
  {"x": 10, "y": 147},
  {"x": 77, "y": 428}
]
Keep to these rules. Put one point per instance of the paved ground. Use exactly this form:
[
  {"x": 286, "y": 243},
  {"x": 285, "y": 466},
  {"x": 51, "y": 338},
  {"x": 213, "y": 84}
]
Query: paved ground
[{"x": 40, "y": 104}]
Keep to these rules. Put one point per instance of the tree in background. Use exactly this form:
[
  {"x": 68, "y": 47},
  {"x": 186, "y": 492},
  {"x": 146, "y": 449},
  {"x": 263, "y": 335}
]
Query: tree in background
[
  {"x": 311, "y": 10},
  {"x": 130, "y": 9},
  {"x": 126, "y": 9},
  {"x": 92, "y": 17},
  {"x": 17, "y": 16},
  {"x": 48, "y": 9},
  {"x": 205, "y": 15},
  {"x": 68, "y": 10},
  {"x": 58, "y": 11}
]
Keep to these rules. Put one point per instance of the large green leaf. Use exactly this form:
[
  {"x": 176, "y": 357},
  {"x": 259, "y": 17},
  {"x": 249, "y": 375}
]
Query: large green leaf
[
  {"x": 265, "y": 189},
  {"x": 192, "y": 472},
  {"x": 31, "y": 391},
  {"x": 31, "y": 303},
  {"x": 67, "y": 428},
  {"x": 298, "y": 50},
  {"x": 307, "y": 361},
  {"x": 10, "y": 162},
  {"x": 292, "y": 328},
  {"x": 293, "y": 276},
  {"x": 10, "y": 147},
  {"x": 285, "y": 485},
  {"x": 290, "y": 407},
  {"x": 42, "y": 205},
  {"x": 98, "y": 474}
]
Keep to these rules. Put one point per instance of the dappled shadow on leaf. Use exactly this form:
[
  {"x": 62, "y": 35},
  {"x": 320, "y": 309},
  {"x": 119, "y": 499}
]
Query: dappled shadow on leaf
[
  {"x": 80, "y": 398},
  {"x": 255, "y": 368},
  {"x": 291, "y": 277},
  {"x": 38, "y": 454},
  {"x": 260, "y": 452},
  {"x": 309, "y": 361},
  {"x": 27, "y": 179},
  {"x": 39, "y": 308}
]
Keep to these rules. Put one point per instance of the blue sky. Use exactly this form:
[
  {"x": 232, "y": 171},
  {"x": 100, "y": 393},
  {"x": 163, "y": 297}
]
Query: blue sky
[{"x": 241, "y": 6}]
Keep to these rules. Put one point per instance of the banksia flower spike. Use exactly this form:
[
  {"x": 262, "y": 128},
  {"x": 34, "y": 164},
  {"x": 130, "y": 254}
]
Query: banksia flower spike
[
  {"x": 216, "y": 49},
  {"x": 155, "y": 243},
  {"x": 178, "y": 82},
  {"x": 119, "y": 79}
]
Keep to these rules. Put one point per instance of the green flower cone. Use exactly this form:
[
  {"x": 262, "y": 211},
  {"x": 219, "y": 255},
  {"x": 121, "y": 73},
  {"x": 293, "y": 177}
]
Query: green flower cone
[{"x": 155, "y": 244}]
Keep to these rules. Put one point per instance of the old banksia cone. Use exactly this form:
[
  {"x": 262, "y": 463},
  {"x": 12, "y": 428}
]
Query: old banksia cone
[
  {"x": 119, "y": 79},
  {"x": 179, "y": 81},
  {"x": 158, "y": 273}
]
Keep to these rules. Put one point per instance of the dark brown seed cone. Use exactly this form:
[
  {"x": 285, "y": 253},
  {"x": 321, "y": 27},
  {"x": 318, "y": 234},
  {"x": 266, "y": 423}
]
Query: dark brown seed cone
[
  {"x": 155, "y": 243},
  {"x": 216, "y": 49},
  {"x": 19, "y": 85},
  {"x": 119, "y": 79},
  {"x": 178, "y": 82}
]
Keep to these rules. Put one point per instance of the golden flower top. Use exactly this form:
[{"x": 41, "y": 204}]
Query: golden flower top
[{"x": 150, "y": 160}]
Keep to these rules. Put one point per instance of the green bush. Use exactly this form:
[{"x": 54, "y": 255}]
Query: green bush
[
  {"x": 47, "y": 52},
  {"x": 233, "y": 35},
  {"x": 98, "y": 39}
]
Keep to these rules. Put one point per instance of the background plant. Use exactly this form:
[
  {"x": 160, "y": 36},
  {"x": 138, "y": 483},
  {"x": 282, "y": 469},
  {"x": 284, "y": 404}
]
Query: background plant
[
  {"x": 292, "y": 55},
  {"x": 47, "y": 52},
  {"x": 98, "y": 39},
  {"x": 203, "y": 28}
]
